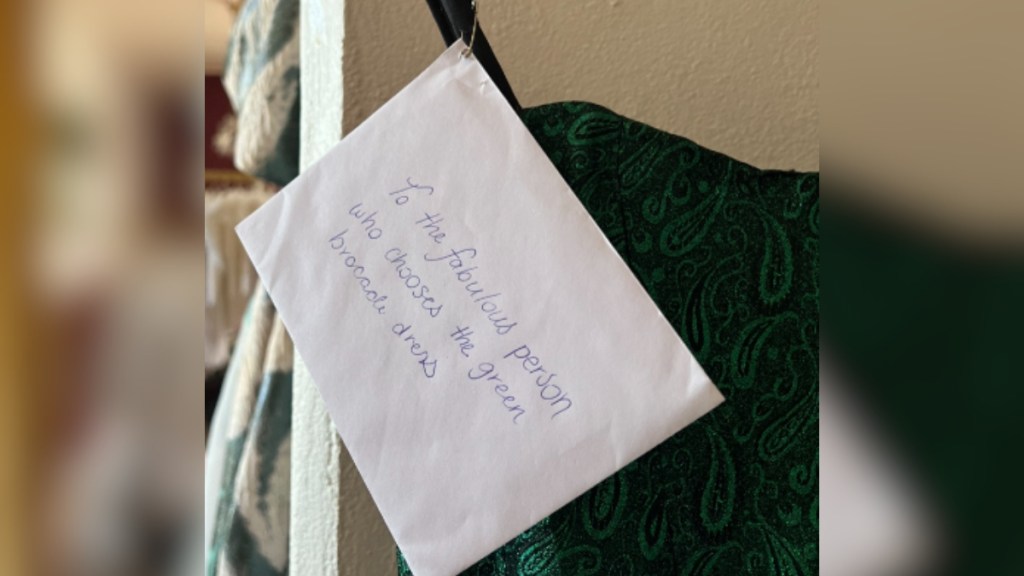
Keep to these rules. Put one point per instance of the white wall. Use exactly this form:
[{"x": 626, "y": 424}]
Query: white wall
[{"x": 335, "y": 527}]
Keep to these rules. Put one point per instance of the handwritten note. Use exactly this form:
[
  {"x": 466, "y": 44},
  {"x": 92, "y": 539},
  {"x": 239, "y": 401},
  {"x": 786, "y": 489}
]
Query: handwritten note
[
  {"x": 458, "y": 270},
  {"x": 483, "y": 351}
]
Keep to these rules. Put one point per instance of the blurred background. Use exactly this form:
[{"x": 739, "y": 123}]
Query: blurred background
[
  {"x": 102, "y": 275},
  {"x": 916, "y": 109}
]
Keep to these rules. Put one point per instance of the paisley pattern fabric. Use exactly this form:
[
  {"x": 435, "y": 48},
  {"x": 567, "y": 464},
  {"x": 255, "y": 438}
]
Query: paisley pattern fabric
[
  {"x": 248, "y": 456},
  {"x": 730, "y": 255}
]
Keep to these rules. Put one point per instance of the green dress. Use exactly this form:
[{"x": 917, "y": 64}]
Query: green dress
[{"x": 730, "y": 255}]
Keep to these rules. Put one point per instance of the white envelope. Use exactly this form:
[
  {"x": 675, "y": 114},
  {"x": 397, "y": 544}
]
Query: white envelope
[{"x": 440, "y": 213}]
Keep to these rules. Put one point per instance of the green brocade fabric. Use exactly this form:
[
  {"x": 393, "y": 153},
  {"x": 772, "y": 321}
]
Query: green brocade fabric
[{"x": 730, "y": 255}]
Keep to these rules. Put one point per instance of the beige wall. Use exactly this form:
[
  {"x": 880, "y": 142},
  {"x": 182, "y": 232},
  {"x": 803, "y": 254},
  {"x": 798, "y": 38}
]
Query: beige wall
[
  {"x": 736, "y": 76},
  {"x": 217, "y": 19}
]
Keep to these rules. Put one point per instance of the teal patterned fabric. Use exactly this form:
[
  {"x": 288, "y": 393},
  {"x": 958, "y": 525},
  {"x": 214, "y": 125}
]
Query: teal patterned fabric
[
  {"x": 248, "y": 456},
  {"x": 730, "y": 255},
  {"x": 261, "y": 78}
]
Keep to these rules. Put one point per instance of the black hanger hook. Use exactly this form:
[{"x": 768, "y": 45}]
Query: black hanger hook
[{"x": 455, "y": 19}]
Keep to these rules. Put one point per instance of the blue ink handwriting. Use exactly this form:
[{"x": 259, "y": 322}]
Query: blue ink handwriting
[
  {"x": 431, "y": 223},
  {"x": 548, "y": 391},
  {"x": 402, "y": 196},
  {"x": 461, "y": 336},
  {"x": 367, "y": 220},
  {"x": 376, "y": 298},
  {"x": 428, "y": 364},
  {"x": 417, "y": 288},
  {"x": 486, "y": 370},
  {"x": 493, "y": 312}
]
